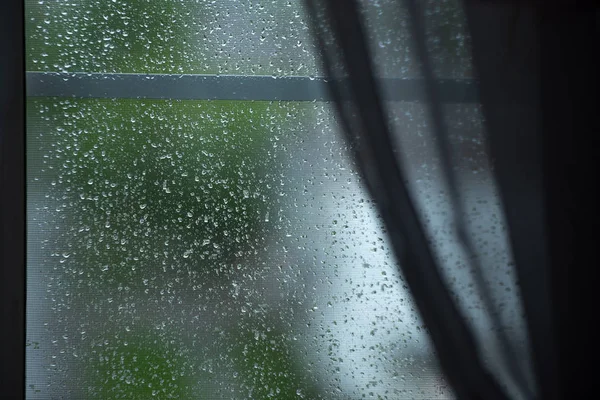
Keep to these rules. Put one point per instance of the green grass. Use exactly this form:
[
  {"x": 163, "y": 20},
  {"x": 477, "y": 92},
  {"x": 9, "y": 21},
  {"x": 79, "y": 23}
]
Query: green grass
[
  {"x": 269, "y": 368},
  {"x": 137, "y": 365}
]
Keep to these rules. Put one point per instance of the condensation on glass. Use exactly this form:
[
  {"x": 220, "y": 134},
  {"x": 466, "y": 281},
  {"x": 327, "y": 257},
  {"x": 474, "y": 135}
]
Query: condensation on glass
[
  {"x": 227, "y": 249},
  {"x": 169, "y": 36}
]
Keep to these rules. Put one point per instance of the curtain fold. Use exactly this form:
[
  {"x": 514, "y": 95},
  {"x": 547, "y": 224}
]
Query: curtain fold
[
  {"x": 338, "y": 30},
  {"x": 507, "y": 42}
]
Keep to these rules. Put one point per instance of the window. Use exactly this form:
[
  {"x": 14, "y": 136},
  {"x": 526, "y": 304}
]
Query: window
[{"x": 195, "y": 225}]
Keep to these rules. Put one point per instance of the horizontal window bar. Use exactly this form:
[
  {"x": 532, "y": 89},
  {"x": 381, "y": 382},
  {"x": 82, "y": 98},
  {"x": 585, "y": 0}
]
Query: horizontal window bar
[{"x": 224, "y": 87}]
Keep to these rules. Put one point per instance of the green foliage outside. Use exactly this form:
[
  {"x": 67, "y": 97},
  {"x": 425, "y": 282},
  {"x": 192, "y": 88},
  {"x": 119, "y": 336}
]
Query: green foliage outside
[
  {"x": 150, "y": 195},
  {"x": 184, "y": 182},
  {"x": 151, "y": 198},
  {"x": 120, "y": 36},
  {"x": 154, "y": 197}
]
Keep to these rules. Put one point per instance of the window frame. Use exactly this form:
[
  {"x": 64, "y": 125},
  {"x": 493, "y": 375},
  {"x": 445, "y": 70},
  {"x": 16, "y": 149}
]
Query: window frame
[
  {"x": 12, "y": 203},
  {"x": 227, "y": 87}
]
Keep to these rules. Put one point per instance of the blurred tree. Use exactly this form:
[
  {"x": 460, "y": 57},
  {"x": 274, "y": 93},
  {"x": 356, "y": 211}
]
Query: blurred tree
[
  {"x": 149, "y": 199},
  {"x": 119, "y": 36}
]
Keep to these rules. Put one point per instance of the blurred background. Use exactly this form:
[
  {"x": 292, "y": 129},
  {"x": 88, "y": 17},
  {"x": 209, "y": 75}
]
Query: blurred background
[{"x": 227, "y": 249}]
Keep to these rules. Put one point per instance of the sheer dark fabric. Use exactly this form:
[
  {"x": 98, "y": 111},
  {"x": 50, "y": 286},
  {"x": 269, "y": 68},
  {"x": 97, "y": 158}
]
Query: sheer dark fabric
[{"x": 510, "y": 43}]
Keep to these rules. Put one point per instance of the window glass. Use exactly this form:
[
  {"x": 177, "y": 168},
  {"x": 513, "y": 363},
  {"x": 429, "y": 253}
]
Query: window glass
[
  {"x": 225, "y": 37},
  {"x": 169, "y": 36},
  {"x": 227, "y": 249}
]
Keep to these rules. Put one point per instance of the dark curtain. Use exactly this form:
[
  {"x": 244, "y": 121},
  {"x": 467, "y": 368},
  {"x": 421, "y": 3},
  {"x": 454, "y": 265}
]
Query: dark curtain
[{"x": 534, "y": 67}]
